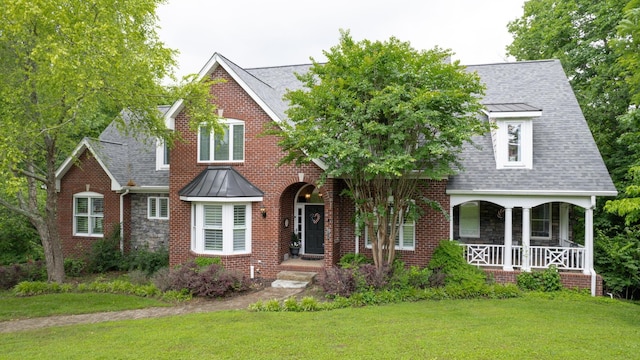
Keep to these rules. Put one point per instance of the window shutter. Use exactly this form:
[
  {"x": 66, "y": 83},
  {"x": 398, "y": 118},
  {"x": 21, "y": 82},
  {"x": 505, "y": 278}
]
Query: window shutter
[
  {"x": 239, "y": 227},
  {"x": 82, "y": 205},
  {"x": 152, "y": 208},
  {"x": 213, "y": 239},
  {"x": 163, "y": 208},
  {"x": 213, "y": 215},
  {"x": 238, "y": 142}
]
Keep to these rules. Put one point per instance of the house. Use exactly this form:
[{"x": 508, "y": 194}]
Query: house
[{"x": 514, "y": 206}]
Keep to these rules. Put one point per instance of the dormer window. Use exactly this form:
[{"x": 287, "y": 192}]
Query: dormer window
[{"x": 512, "y": 135}]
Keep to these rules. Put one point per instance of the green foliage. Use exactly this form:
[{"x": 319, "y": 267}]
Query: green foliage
[
  {"x": 32, "y": 288},
  {"x": 204, "y": 262},
  {"x": 547, "y": 280},
  {"x": 105, "y": 253},
  {"x": 212, "y": 281},
  {"x": 10, "y": 275},
  {"x": 449, "y": 266},
  {"x": 148, "y": 261},
  {"x": 74, "y": 267},
  {"x": 617, "y": 259},
  {"x": 376, "y": 113},
  {"x": 19, "y": 241},
  {"x": 353, "y": 260}
]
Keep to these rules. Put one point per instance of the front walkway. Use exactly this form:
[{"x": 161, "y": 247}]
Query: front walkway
[{"x": 241, "y": 302}]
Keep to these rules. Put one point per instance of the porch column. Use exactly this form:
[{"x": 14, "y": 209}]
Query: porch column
[
  {"x": 564, "y": 225},
  {"x": 507, "y": 265},
  {"x": 588, "y": 241},
  {"x": 526, "y": 238}
]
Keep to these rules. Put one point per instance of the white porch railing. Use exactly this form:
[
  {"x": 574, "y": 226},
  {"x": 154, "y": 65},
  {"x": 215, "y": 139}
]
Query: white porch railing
[{"x": 540, "y": 257}]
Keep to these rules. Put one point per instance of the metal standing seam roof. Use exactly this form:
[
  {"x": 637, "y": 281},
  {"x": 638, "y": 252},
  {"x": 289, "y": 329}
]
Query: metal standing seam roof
[
  {"x": 510, "y": 107},
  {"x": 220, "y": 181}
]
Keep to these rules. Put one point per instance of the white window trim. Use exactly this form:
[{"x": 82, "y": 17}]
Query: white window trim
[
  {"x": 90, "y": 196},
  {"x": 550, "y": 223},
  {"x": 229, "y": 124},
  {"x": 476, "y": 220},
  {"x": 160, "y": 155},
  {"x": 197, "y": 229},
  {"x": 400, "y": 245},
  {"x": 157, "y": 215},
  {"x": 502, "y": 148}
]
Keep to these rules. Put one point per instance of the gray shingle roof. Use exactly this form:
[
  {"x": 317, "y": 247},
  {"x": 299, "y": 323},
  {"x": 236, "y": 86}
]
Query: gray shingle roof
[
  {"x": 565, "y": 156},
  {"x": 129, "y": 158}
]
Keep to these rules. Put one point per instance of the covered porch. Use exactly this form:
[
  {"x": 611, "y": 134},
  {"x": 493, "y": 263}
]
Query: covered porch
[{"x": 523, "y": 232}]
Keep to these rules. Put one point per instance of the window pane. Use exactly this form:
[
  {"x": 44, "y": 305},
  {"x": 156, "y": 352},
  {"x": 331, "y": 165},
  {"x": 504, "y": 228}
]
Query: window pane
[
  {"x": 213, "y": 239},
  {"x": 469, "y": 220},
  {"x": 166, "y": 158},
  {"x": 82, "y": 205},
  {"x": 239, "y": 215},
  {"x": 163, "y": 207},
  {"x": 239, "y": 239},
  {"x": 514, "y": 142},
  {"x": 540, "y": 221},
  {"x": 97, "y": 206},
  {"x": 408, "y": 235},
  {"x": 205, "y": 145},
  {"x": 238, "y": 142},
  {"x": 152, "y": 208},
  {"x": 96, "y": 227},
  {"x": 213, "y": 215},
  {"x": 82, "y": 224},
  {"x": 221, "y": 143}
]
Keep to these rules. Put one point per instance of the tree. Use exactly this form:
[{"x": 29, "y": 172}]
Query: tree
[
  {"x": 582, "y": 34},
  {"x": 383, "y": 117},
  {"x": 63, "y": 63}
]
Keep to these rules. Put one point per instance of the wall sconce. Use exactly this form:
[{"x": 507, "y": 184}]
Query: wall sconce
[
  {"x": 263, "y": 211},
  {"x": 307, "y": 196}
]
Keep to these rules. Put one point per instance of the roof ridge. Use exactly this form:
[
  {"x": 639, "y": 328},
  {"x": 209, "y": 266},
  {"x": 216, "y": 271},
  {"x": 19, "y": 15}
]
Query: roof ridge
[
  {"x": 517, "y": 62},
  {"x": 245, "y": 70}
]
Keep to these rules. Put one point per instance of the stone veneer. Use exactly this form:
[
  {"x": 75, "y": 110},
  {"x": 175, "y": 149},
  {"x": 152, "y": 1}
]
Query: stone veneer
[{"x": 145, "y": 232}]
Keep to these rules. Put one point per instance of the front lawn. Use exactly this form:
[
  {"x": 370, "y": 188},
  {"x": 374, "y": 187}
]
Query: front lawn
[
  {"x": 12, "y": 307},
  {"x": 531, "y": 327}
]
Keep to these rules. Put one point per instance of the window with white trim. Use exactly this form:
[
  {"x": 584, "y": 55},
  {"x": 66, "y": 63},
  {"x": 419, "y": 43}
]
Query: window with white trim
[
  {"x": 541, "y": 221},
  {"x": 469, "y": 220},
  {"x": 88, "y": 214},
  {"x": 225, "y": 147},
  {"x": 158, "y": 208},
  {"x": 514, "y": 148},
  {"x": 163, "y": 155},
  {"x": 221, "y": 228},
  {"x": 405, "y": 236}
]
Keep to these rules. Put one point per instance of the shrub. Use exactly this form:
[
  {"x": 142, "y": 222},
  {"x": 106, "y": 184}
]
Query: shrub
[
  {"x": 31, "y": 288},
  {"x": 162, "y": 279},
  {"x": 449, "y": 266},
  {"x": 339, "y": 281},
  {"x": 547, "y": 280},
  {"x": 368, "y": 276},
  {"x": 148, "y": 261},
  {"x": 352, "y": 261},
  {"x": 212, "y": 281},
  {"x": 138, "y": 277},
  {"x": 11, "y": 275},
  {"x": 74, "y": 267},
  {"x": 204, "y": 262},
  {"x": 105, "y": 253}
]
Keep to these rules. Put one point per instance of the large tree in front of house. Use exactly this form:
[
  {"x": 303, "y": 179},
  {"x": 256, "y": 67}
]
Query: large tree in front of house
[
  {"x": 384, "y": 117},
  {"x": 63, "y": 63}
]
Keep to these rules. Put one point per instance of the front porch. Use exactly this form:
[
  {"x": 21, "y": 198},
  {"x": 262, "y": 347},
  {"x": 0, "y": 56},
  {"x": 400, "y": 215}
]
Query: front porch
[{"x": 539, "y": 257}]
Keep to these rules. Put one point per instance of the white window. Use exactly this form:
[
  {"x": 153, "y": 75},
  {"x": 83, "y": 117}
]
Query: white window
[
  {"x": 470, "y": 220},
  {"x": 514, "y": 146},
  {"x": 158, "y": 208},
  {"x": 221, "y": 228},
  {"x": 163, "y": 155},
  {"x": 225, "y": 147},
  {"x": 405, "y": 236},
  {"x": 88, "y": 214},
  {"x": 541, "y": 221}
]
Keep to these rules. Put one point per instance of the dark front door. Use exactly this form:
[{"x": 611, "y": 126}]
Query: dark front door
[{"x": 314, "y": 229}]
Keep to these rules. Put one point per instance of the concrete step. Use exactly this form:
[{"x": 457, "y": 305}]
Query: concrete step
[{"x": 294, "y": 279}]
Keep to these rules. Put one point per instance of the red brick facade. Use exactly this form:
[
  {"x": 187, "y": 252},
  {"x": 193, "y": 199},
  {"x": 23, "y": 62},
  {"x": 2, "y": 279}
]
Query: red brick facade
[
  {"x": 88, "y": 176},
  {"x": 570, "y": 280}
]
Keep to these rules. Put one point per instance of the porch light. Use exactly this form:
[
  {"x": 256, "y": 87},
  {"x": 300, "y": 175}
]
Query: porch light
[
  {"x": 307, "y": 196},
  {"x": 263, "y": 211}
]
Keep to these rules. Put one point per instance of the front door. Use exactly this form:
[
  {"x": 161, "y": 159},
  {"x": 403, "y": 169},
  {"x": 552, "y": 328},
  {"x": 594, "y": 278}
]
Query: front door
[{"x": 314, "y": 229}]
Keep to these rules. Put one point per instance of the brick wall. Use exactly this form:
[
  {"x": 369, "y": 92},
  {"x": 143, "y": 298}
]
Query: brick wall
[
  {"x": 569, "y": 280},
  {"x": 88, "y": 175},
  {"x": 260, "y": 167}
]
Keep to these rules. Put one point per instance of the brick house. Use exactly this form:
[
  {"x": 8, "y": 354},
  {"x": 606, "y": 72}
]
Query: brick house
[{"x": 513, "y": 207}]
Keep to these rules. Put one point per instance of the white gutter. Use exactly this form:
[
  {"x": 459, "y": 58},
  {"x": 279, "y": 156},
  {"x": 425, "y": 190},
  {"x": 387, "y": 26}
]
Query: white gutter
[
  {"x": 532, "y": 192},
  {"x": 126, "y": 191}
]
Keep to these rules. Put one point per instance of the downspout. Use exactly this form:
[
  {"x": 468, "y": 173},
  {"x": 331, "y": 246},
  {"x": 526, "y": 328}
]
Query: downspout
[{"x": 126, "y": 191}]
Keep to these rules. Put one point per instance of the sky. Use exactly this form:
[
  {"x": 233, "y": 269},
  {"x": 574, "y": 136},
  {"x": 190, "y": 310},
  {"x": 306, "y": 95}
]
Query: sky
[{"x": 262, "y": 33}]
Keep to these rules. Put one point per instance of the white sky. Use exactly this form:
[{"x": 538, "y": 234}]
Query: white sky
[{"x": 259, "y": 33}]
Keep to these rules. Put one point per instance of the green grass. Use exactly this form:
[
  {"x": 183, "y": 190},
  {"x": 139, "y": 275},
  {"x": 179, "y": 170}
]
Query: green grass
[
  {"x": 532, "y": 327},
  {"x": 12, "y": 307}
]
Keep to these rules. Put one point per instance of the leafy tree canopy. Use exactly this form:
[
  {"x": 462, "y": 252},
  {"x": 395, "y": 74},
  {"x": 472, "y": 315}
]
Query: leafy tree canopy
[
  {"x": 64, "y": 62},
  {"x": 383, "y": 116}
]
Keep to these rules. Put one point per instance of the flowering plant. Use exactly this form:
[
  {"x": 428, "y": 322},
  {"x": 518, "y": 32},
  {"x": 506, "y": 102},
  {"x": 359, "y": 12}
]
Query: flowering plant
[{"x": 295, "y": 241}]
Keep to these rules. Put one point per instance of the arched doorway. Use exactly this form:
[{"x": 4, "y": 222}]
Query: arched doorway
[{"x": 309, "y": 220}]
